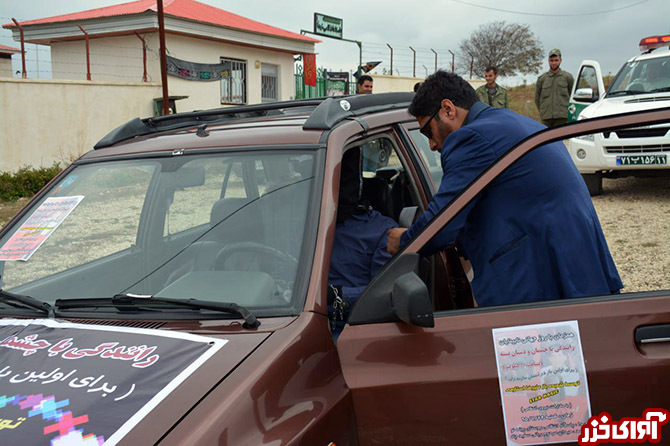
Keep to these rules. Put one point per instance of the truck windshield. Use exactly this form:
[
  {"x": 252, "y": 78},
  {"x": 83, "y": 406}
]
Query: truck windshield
[
  {"x": 642, "y": 76},
  {"x": 219, "y": 227}
]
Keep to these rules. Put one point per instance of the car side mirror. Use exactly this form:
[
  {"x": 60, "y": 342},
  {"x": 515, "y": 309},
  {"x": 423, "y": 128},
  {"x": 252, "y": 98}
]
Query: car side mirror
[
  {"x": 585, "y": 94},
  {"x": 411, "y": 301}
]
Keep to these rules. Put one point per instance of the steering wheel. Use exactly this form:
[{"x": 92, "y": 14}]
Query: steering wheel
[
  {"x": 261, "y": 251},
  {"x": 636, "y": 86}
]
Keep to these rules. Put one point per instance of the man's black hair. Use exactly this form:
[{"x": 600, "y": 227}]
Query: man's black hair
[
  {"x": 364, "y": 78},
  {"x": 417, "y": 86},
  {"x": 438, "y": 86},
  {"x": 491, "y": 68}
]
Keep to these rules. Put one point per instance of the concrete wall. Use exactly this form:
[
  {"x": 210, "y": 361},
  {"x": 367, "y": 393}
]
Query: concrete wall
[
  {"x": 119, "y": 59},
  {"x": 47, "y": 121},
  {"x": 384, "y": 83}
]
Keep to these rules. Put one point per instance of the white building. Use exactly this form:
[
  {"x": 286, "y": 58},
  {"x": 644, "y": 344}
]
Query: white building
[
  {"x": 6, "y": 60},
  {"x": 257, "y": 59}
]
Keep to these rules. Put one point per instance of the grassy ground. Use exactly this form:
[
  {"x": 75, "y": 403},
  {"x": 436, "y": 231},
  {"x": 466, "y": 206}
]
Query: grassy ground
[
  {"x": 522, "y": 100},
  {"x": 9, "y": 208}
]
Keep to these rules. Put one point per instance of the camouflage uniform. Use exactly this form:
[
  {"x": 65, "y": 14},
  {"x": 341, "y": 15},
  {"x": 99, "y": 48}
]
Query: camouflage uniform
[
  {"x": 500, "y": 99},
  {"x": 552, "y": 94}
]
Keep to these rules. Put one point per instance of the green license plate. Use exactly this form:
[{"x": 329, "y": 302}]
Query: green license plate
[{"x": 636, "y": 160}]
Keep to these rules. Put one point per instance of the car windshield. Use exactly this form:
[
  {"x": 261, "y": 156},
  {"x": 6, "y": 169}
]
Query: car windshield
[
  {"x": 220, "y": 227},
  {"x": 642, "y": 76}
]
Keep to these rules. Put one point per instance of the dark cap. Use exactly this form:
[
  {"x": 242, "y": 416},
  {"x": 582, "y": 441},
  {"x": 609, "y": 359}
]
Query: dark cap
[{"x": 555, "y": 52}]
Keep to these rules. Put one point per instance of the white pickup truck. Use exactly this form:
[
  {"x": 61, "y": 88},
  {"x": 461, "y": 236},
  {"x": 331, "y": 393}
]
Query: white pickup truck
[{"x": 642, "y": 83}]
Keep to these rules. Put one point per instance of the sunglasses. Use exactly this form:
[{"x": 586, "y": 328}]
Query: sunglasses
[{"x": 425, "y": 129}]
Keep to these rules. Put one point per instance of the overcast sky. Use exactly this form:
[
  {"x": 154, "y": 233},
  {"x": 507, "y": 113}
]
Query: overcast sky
[{"x": 582, "y": 30}]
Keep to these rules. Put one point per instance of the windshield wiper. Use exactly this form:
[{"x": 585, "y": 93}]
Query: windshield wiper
[
  {"x": 136, "y": 301},
  {"x": 30, "y": 302},
  {"x": 658, "y": 90}
]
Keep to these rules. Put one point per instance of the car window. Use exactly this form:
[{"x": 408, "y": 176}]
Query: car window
[
  {"x": 103, "y": 223},
  {"x": 191, "y": 206},
  {"x": 431, "y": 158},
  {"x": 225, "y": 240},
  {"x": 587, "y": 79},
  {"x": 378, "y": 153}
]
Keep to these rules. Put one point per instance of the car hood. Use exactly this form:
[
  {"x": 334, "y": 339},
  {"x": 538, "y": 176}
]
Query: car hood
[
  {"x": 625, "y": 104},
  {"x": 65, "y": 382}
]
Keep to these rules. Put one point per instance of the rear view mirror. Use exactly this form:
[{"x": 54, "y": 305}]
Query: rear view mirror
[
  {"x": 585, "y": 94},
  {"x": 411, "y": 301}
]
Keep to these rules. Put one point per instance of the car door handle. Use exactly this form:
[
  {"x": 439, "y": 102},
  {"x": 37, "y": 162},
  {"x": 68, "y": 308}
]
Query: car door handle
[{"x": 652, "y": 334}]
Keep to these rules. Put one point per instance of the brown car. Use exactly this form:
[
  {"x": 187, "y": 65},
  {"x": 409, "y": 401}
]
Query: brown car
[{"x": 169, "y": 287}]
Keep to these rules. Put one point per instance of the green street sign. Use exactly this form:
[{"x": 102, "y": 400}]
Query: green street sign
[{"x": 328, "y": 26}]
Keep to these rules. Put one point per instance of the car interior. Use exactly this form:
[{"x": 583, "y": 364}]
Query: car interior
[{"x": 390, "y": 190}]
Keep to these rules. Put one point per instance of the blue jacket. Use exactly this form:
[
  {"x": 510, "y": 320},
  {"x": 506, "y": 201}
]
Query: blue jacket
[
  {"x": 533, "y": 233},
  {"x": 359, "y": 252}
]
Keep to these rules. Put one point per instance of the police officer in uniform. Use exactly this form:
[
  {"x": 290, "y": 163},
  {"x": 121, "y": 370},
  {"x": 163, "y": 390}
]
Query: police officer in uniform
[
  {"x": 491, "y": 93},
  {"x": 552, "y": 92}
]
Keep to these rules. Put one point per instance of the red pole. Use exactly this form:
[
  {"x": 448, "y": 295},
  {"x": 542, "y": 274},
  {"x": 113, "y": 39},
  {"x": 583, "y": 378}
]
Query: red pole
[
  {"x": 88, "y": 56},
  {"x": 24, "y": 73},
  {"x": 161, "y": 38},
  {"x": 144, "y": 56}
]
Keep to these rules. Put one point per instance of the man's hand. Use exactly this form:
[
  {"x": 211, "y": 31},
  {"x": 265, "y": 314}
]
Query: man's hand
[{"x": 394, "y": 239}]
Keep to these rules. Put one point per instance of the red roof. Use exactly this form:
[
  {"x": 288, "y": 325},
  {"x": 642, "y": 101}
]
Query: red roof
[
  {"x": 183, "y": 9},
  {"x": 8, "y": 50}
]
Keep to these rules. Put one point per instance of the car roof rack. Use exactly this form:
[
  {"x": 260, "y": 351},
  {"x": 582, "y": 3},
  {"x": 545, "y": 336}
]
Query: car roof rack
[
  {"x": 140, "y": 127},
  {"x": 324, "y": 114},
  {"x": 334, "y": 110}
]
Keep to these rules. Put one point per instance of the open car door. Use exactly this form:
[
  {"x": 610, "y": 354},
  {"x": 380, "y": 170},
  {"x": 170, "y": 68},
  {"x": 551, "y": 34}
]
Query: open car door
[
  {"x": 481, "y": 375},
  {"x": 587, "y": 89}
]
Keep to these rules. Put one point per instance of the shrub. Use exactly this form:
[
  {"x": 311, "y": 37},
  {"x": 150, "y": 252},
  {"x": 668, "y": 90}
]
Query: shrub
[{"x": 26, "y": 181}]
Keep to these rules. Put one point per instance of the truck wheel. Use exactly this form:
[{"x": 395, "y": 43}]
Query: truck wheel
[{"x": 594, "y": 183}]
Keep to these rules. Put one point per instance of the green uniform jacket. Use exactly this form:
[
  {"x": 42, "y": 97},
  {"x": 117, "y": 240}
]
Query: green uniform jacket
[
  {"x": 500, "y": 99},
  {"x": 552, "y": 94}
]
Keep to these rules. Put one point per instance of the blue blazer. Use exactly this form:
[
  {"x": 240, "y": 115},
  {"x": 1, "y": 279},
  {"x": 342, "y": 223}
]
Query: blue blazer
[{"x": 533, "y": 233}]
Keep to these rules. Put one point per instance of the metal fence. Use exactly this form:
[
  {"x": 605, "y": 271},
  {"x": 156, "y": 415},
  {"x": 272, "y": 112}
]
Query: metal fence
[{"x": 325, "y": 86}]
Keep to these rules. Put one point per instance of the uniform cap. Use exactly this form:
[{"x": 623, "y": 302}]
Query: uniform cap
[{"x": 555, "y": 52}]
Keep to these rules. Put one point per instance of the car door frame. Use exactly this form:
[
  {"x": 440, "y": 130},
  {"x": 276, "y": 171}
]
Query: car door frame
[
  {"x": 576, "y": 106},
  {"x": 416, "y": 385}
]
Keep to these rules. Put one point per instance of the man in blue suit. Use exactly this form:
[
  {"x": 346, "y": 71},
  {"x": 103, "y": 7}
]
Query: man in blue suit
[{"x": 532, "y": 234}]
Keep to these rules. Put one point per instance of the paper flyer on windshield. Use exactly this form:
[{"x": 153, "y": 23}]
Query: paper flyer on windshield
[
  {"x": 74, "y": 384},
  {"x": 545, "y": 396},
  {"x": 38, "y": 227}
]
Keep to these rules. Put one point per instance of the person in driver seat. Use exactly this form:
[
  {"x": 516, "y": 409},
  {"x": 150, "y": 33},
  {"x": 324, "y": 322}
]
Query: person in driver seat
[{"x": 359, "y": 246}]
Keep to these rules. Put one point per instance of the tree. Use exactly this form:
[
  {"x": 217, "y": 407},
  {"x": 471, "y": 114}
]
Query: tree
[{"x": 510, "y": 47}]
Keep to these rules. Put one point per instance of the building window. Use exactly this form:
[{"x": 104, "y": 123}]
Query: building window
[
  {"x": 269, "y": 83},
  {"x": 234, "y": 86}
]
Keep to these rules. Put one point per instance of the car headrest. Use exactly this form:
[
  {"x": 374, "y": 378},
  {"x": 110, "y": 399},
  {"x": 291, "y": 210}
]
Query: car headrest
[{"x": 225, "y": 207}]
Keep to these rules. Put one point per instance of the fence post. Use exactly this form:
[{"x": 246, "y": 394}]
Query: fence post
[
  {"x": 452, "y": 60},
  {"x": 391, "y": 58},
  {"x": 24, "y": 73},
  {"x": 413, "y": 63},
  {"x": 435, "y": 52}
]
